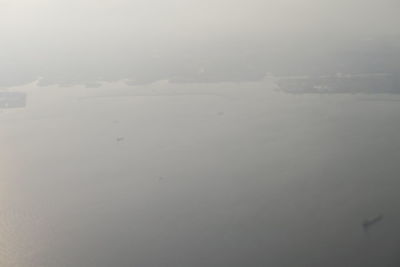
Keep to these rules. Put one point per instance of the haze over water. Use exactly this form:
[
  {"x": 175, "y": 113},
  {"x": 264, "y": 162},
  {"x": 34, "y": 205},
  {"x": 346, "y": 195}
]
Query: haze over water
[{"x": 166, "y": 134}]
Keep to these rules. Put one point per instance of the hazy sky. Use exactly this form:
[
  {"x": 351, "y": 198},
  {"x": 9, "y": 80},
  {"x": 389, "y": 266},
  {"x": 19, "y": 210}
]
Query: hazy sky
[
  {"x": 74, "y": 41},
  {"x": 193, "y": 17}
]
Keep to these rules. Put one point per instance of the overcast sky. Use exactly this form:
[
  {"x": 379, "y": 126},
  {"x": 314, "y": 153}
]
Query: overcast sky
[{"x": 191, "y": 18}]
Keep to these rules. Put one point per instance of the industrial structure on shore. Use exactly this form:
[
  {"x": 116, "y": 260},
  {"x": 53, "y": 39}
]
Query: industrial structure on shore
[{"x": 12, "y": 99}]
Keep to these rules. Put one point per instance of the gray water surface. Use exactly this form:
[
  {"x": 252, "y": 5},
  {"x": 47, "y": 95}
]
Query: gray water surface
[{"x": 222, "y": 174}]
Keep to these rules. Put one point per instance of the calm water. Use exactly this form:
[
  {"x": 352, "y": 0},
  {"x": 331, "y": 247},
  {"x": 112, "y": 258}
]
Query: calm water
[{"x": 198, "y": 174}]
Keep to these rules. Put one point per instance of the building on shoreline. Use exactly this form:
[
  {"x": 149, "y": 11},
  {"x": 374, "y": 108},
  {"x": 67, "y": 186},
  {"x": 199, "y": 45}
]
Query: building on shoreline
[
  {"x": 12, "y": 100},
  {"x": 366, "y": 83}
]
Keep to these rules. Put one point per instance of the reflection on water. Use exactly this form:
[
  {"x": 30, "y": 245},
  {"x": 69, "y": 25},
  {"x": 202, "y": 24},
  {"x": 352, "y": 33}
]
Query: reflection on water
[{"x": 195, "y": 174}]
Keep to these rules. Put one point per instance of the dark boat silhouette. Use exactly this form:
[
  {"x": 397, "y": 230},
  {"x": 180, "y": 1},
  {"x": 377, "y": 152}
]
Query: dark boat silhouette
[{"x": 370, "y": 222}]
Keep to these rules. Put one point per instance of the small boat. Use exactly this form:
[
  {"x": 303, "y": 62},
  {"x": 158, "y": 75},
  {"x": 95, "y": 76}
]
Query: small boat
[{"x": 370, "y": 222}]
